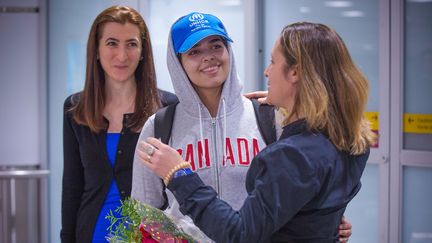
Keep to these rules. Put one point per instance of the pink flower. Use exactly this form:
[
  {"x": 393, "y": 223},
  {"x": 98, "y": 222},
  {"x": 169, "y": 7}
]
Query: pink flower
[
  {"x": 146, "y": 236},
  {"x": 151, "y": 233}
]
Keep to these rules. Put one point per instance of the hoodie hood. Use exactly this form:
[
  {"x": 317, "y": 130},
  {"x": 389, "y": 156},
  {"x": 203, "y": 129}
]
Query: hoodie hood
[{"x": 188, "y": 97}]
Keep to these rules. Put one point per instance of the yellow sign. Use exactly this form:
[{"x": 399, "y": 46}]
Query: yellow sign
[
  {"x": 418, "y": 123},
  {"x": 372, "y": 116}
]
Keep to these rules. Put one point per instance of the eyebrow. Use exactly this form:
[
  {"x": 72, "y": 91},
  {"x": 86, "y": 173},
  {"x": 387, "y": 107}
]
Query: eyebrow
[
  {"x": 215, "y": 39},
  {"x": 116, "y": 40}
]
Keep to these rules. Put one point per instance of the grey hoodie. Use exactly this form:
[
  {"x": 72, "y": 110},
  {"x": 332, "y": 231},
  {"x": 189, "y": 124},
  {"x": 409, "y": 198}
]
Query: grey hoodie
[{"x": 201, "y": 140}]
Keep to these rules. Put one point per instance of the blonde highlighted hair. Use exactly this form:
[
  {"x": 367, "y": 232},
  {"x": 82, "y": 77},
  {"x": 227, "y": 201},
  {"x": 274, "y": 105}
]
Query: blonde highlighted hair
[{"x": 332, "y": 92}]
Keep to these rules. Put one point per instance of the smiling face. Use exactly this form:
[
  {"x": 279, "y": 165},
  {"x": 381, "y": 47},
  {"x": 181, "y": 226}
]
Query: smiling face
[
  {"x": 282, "y": 80},
  {"x": 119, "y": 51},
  {"x": 207, "y": 64}
]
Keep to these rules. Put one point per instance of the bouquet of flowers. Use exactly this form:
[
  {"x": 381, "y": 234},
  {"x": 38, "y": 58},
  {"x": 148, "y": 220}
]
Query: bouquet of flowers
[{"x": 143, "y": 223}]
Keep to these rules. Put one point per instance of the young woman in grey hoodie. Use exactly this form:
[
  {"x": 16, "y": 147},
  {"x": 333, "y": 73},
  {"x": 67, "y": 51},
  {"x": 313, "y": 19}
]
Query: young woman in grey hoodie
[{"x": 214, "y": 126}]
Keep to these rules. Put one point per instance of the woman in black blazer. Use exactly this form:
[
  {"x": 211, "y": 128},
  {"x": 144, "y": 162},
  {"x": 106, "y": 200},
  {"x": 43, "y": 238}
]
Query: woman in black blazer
[{"x": 102, "y": 122}]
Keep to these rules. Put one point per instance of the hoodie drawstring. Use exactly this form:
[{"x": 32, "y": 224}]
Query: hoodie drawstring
[
  {"x": 224, "y": 130},
  {"x": 203, "y": 155},
  {"x": 224, "y": 135}
]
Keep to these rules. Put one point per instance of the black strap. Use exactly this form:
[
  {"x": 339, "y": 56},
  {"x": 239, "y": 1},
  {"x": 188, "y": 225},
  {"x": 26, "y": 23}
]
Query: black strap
[
  {"x": 164, "y": 119},
  {"x": 266, "y": 121},
  {"x": 167, "y": 98}
]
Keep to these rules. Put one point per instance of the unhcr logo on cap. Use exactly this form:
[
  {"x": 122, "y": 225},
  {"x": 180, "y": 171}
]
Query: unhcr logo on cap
[
  {"x": 198, "y": 21},
  {"x": 192, "y": 28},
  {"x": 195, "y": 17}
]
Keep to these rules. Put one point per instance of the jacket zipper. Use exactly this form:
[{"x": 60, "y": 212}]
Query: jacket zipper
[{"x": 216, "y": 159}]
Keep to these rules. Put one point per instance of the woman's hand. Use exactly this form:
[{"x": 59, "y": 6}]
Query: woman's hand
[
  {"x": 261, "y": 96},
  {"x": 158, "y": 157},
  {"x": 344, "y": 230}
]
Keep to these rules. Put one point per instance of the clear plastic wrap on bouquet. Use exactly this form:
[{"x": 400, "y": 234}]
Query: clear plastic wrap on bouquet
[{"x": 143, "y": 223}]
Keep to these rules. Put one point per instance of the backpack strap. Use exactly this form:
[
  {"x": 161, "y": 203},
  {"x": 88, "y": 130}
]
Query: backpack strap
[
  {"x": 266, "y": 121},
  {"x": 164, "y": 119},
  {"x": 167, "y": 98}
]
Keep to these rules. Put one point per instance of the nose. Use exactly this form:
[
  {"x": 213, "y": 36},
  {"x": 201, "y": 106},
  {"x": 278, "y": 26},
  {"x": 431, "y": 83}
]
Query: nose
[
  {"x": 122, "y": 54},
  {"x": 266, "y": 72},
  {"x": 208, "y": 56}
]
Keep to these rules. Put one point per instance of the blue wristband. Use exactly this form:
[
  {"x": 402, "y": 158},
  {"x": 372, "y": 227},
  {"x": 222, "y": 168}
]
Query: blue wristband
[{"x": 183, "y": 172}]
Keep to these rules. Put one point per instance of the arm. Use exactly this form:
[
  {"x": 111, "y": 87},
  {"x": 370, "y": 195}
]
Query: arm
[
  {"x": 73, "y": 180},
  {"x": 146, "y": 186},
  {"x": 269, "y": 206}
]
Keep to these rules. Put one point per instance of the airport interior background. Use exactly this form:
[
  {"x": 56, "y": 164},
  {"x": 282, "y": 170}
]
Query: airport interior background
[{"x": 42, "y": 61}]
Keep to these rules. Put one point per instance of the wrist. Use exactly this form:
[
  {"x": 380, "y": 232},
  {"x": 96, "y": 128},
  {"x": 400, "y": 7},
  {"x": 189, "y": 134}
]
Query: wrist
[
  {"x": 170, "y": 174},
  {"x": 182, "y": 172}
]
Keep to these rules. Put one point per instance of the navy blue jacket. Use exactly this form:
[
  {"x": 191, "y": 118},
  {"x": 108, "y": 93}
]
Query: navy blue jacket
[{"x": 298, "y": 189}]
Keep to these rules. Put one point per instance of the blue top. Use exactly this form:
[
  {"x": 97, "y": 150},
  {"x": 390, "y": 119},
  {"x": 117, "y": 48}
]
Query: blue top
[
  {"x": 298, "y": 190},
  {"x": 112, "y": 199}
]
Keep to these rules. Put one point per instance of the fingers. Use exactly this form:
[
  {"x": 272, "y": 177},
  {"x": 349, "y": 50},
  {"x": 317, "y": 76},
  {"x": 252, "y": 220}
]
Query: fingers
[
  {"x": 345, "y": 230},
  {"x": 256, "y": 94},
  {"x": 345, "y": 224},
  {"x": 263, "y": 100},
  {"x": 345, "y": 233},
  {"x": 343, "y": 240},
  {"x": 150, "y": 148},
  {"x": 144, "y": 157},
  {"x": 155, "y": 142},
  {"x": 158, "y": 157}
]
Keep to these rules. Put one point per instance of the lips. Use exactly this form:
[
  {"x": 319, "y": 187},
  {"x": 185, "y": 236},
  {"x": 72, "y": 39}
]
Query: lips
[
  {"x": 211, "y": 69},
  {"x": 121, "y": 66}
]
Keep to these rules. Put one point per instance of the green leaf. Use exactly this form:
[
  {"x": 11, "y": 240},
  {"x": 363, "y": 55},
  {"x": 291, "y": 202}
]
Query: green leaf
[{"x": 132, "y": 213}]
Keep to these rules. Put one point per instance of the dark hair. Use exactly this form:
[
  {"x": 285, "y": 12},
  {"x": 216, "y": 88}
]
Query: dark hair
[
  {"x": 89, "y": 110},
  {"x": 224, "y": 41},
  {"x": 332, "y": 92}
]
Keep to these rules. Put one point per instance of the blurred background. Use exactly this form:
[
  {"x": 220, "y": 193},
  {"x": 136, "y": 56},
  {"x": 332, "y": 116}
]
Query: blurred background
[{"x": 42, "y": 61}]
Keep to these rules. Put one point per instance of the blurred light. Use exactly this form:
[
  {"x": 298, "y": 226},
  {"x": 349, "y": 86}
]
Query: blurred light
[
  {"x": 304, "y": 9},
  {"x": 230, "y": 3},
  {"x": 338, "y": 4},
  {"x": 353, "y": 14},
  {"x": 368, "y": 47}
]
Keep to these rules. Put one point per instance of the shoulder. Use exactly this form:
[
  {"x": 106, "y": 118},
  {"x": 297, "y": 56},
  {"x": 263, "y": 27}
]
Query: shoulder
[
  {"x": 311, "y": 144},
  {"x": 71, "y": 101},
  {"x": 284, "y": 163},
  {"x": 167, "y": 98},
  {"x": 148, "y": 128},
  {"x": 282, "y": 150},
  {"x": 296, "y": 152},
  {"x": 308, "y": 151}
]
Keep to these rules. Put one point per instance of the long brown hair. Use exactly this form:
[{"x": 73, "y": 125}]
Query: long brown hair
[
  {"x": 89, "y": 110},
  {"x": 332, "y": 92}
]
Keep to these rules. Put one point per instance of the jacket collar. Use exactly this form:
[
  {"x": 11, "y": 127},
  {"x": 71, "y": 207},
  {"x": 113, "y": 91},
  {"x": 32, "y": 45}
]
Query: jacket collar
[{"x": 294, "y": 128}]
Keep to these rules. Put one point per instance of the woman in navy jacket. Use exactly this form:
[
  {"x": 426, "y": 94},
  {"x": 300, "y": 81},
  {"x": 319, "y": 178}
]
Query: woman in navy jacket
[{"x": 298, "y": 187}]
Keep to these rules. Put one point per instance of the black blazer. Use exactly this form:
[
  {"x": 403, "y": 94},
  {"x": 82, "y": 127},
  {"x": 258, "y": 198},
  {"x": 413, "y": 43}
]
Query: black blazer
[{"x": 87, "y": 173}]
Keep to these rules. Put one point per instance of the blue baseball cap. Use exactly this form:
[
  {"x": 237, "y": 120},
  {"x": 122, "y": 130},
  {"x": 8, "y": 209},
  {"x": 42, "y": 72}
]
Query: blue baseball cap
[{"x": 192, "y": 28}]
